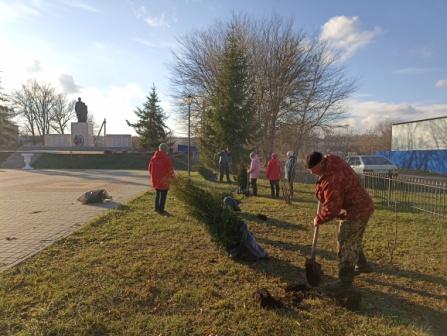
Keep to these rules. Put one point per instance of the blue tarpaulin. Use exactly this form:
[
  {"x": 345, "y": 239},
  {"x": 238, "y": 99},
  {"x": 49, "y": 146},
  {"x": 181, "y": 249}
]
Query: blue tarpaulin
[
  {"x": 184, "y": 149},
  {"x": 429, "y": 160}
]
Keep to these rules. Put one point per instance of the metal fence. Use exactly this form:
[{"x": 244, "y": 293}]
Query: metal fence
[
  {"x": 411, "y": 194},
  {"x": 403, "y": 193}
]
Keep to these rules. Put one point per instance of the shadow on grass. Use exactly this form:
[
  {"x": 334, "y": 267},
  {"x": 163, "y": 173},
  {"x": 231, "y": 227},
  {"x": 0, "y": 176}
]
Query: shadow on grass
[
  {"x": 303, "y": 250},
  {"x": 403, "y": 312},
  {"x": 273, "y": 222},
  {"x": 287, "y": 272},
  {"x": 375, "y": 304},
  {"x": 408, "y": 290},
  {"x": 391, "y": 270}
]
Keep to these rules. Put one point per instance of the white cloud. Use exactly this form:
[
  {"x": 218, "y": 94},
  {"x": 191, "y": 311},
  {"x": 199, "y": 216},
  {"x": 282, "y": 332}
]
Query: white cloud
[
  {"x": 363, "y": 95},
  {"x": 68, "y": 84},
  {"x": 153, "y": 44},
  {"x": 365, "y": 115},
  {"x": 81, "y": 5},
  {"x": 36, "y": 66},
  {"x": 157, "y": 21},
  {"x": 14, "y": 10},
  {"x": 344, "y": 34},
  {"x": 415, "y": 71},
  {"x": 163, "y": 20},
  {"x": 115, "y": 104},
  {"x": 442, "y": 83},
  {"x": 145, "y": 42},
  {"x": 424, "y": 52},
  {"x": 138, "y": 11}
]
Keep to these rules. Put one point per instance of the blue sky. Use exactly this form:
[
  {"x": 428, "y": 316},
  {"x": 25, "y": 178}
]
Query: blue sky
[{"x": 110, "y": 52}]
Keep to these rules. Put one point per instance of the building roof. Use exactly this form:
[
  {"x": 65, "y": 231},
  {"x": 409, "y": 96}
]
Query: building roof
[{"x": 408, "y": 122}]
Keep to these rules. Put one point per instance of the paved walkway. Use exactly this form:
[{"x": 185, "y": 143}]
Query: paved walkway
[{"x": 39, "y": 207}]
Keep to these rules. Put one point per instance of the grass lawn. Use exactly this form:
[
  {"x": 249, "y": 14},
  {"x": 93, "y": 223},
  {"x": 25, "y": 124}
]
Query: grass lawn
[
  {"x": 422, "y": 173},
  {"x": 133, "y": 272},
  {"x": 4, "y": 156}
]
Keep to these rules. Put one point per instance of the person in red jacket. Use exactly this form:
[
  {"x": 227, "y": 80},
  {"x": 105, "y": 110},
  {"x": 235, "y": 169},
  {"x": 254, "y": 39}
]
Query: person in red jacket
[
  {"x": 161, "y": 171},
  {"x": 341, "y": 196},
  {"x": 273, "y": 173}
]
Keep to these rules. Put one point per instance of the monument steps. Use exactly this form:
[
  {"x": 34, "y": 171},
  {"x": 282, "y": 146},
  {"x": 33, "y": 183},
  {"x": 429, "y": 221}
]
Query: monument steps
[{"x": 15, "y": 161}]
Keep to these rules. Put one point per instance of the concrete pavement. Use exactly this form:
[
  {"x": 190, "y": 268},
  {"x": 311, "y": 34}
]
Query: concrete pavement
[{"x": 39, "y": 207}]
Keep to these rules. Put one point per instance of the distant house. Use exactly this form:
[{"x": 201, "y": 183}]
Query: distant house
[
  {"x": 420, "y": 144},
  {"x": 426, "y": 134},
  {"x": 180, "y": 145}
]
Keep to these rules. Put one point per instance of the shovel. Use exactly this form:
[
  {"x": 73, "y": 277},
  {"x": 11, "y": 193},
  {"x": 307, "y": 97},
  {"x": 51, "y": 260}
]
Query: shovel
[{"x": 313, "y": 269}]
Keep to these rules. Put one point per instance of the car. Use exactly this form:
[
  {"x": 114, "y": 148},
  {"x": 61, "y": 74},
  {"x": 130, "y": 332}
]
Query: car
[{"x": 364, "y": 164}]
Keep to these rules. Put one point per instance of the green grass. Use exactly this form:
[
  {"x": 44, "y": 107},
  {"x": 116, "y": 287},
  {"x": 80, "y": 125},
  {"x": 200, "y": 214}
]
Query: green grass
[
  {"x": 99, "y": 161},
  {"x": 4, "y": 156},
  {"x": 422, "y": 173},
  {"x": 132, "y": 272}
]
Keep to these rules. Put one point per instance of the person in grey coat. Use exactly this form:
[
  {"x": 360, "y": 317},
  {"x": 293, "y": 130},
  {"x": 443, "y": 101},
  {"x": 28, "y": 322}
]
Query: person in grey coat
[
  {"x": 289, "y": 169},
  {"x": 224, "y": 164}
]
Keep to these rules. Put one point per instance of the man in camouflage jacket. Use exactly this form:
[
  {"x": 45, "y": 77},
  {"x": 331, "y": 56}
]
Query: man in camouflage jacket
[{"x": 342, "y": 196}]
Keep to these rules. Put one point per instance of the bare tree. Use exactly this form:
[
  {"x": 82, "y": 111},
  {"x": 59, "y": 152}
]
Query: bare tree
[
  {"x": 299, "y": 87},
  {"x": 384, "y": 134},
  {"x": 35, "y": 102},
  {"x": 279, "y": 72},
  {"x": 319, "y": 107},
  {"x": 63, "y": 112},
  {"x": 22, "y": 105}
]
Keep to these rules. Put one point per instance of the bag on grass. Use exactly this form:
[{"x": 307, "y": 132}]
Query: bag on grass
[
  {"x": 94, "y": 196},
  {"x": 248, "y": 248},
  {"x": 230, "y": 202},
  {"x": 250, "y": 243}
]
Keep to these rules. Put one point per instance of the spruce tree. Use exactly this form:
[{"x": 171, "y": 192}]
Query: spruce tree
[
  {"x": 8, "y": 131},
  {"x": 151, "y": 125},
  {"x": 230, "y": 117}
]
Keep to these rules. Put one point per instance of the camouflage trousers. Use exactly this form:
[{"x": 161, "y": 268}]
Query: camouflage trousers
[{"x": 350, "y": 245}]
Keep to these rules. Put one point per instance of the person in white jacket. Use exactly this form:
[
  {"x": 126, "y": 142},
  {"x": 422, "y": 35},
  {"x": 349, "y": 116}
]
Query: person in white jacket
[{"x": 253, "y": 172}]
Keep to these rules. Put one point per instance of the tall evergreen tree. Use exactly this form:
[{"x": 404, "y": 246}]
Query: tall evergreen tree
[
  {"x": 229, "y": 121},
  {"x": 8, "y": 131},
  {"x": 151, "y": 125}
]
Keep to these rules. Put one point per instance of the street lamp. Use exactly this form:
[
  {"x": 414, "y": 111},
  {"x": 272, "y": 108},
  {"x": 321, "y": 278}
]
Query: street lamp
[{"x": 189, "y": 102}]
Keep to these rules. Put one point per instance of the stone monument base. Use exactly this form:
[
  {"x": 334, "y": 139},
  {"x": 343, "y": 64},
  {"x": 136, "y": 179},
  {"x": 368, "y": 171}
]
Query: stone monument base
[{"x": 82, "y": 134}]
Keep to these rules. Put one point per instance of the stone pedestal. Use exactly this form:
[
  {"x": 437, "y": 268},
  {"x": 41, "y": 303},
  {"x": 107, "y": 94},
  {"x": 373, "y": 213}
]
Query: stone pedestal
[
  {"x": 27, "y": 159},
  {"x": 82, "y": 134}
]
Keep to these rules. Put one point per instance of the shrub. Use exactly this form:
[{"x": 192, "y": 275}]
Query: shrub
[
  {"x": 207, "y": 173},
  {"x": 221, "y": 223}
]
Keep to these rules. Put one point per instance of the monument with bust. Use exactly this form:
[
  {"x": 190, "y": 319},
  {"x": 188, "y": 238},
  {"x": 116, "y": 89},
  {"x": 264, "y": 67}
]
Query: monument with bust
[
  {"x": 81, "y": 110},
  {"x": 82, "y": 131}
]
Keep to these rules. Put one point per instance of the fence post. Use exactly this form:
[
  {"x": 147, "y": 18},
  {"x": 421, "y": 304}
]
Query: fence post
[{"x": 389, "y": 189}]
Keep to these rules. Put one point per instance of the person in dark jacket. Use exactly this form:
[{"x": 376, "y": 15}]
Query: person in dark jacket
[
  {"x": 224, "y": 164},
  {"x": 289, "y": 170},
  {"x": 242, "y": 178},
  {"x": 161, "y": 171},
  {"x": 273, "y": 174},
  {"x": 341, "y": 196}
]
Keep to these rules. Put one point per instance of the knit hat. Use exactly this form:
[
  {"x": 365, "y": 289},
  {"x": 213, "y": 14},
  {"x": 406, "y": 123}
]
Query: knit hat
[
  {"x": 313, "y": 159},
  {"x": 163, "y": 147}
]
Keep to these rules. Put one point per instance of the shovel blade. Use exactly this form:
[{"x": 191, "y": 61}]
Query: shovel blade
[{"x": 313, "y": 272}]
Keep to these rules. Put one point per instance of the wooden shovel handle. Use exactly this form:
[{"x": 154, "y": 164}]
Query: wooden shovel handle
[{"x": 314, "y": 241}]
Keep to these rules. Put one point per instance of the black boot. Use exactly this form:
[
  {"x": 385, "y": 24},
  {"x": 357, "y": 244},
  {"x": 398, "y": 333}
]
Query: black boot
[
  {"x": 362, "y": 265},
  {"x": 344, "y": 282}
]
